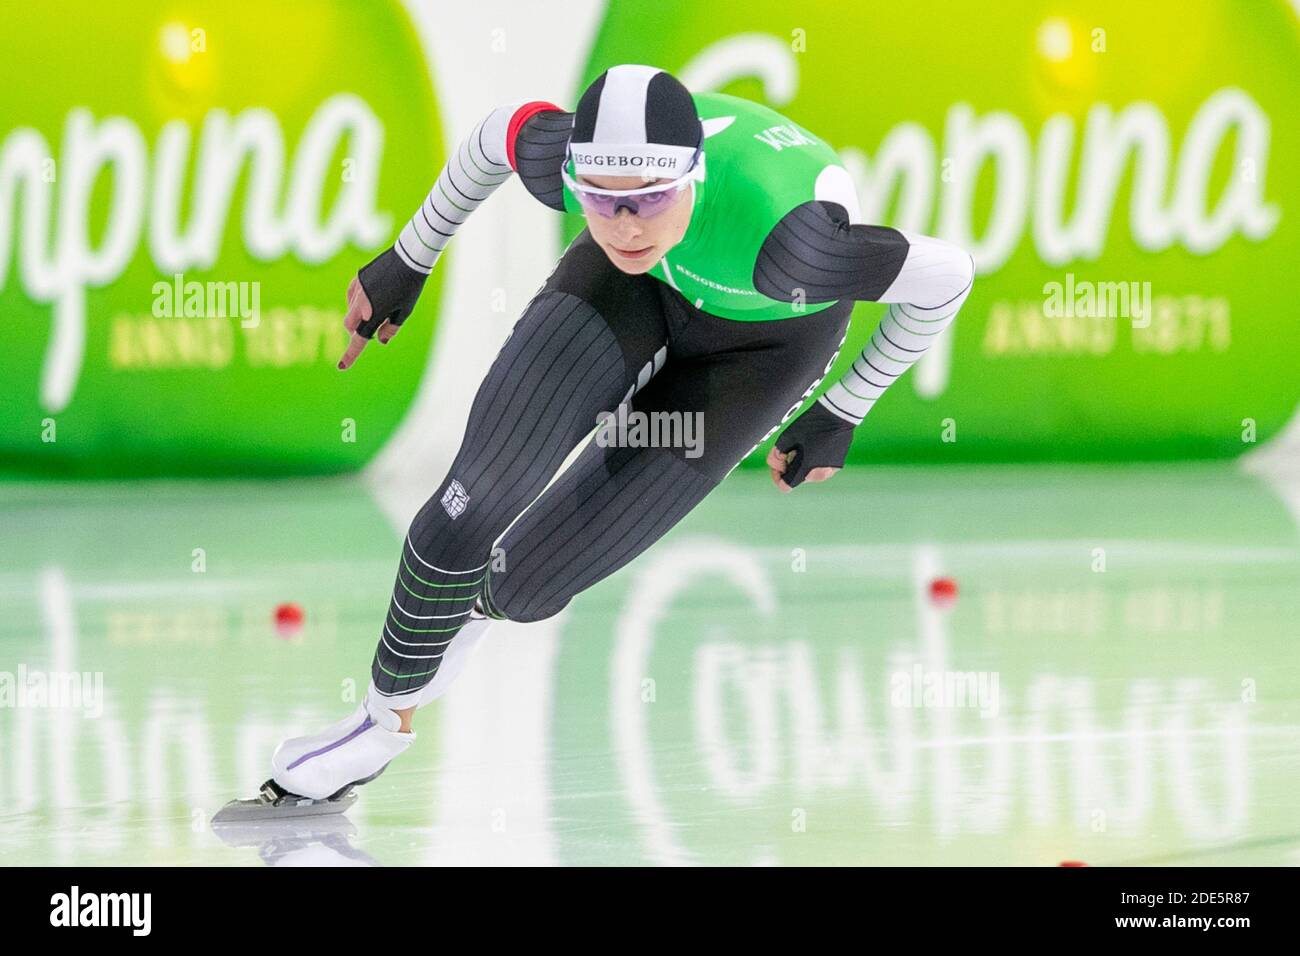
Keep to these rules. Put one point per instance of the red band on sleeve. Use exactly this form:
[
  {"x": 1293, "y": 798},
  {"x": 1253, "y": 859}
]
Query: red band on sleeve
[{"x": 522, "y": 116}]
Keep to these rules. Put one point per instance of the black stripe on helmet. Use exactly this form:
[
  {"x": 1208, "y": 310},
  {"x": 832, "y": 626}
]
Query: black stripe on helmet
[
  {"x": 670, "y": 115},
  {"x": 584, "y": 117}
]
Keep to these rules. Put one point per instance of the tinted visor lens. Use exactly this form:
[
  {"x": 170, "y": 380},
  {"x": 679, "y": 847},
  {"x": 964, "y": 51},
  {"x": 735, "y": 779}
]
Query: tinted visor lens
[{"x": 645, "y": 206}]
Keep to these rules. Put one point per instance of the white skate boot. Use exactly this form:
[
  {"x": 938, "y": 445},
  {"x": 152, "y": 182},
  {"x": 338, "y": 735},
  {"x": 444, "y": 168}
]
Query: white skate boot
[
  {"x": 315, "y": 775},
  {"x": 351, "y": 752},
  {"x": 356, "y": 750}
]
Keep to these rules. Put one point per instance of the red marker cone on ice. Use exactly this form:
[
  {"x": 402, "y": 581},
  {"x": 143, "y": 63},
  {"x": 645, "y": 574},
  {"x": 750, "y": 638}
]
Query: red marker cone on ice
[
  {"x": 943, "y": 592},
  {"x": 288, "y": 619}
]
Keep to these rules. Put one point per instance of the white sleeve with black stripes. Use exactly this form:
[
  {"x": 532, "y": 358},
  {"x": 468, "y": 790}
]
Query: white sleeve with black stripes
[
  {"x": 924, "y": 298},
  {"x": 814, "y": 254},
  {"x": 473, "y": 172}
]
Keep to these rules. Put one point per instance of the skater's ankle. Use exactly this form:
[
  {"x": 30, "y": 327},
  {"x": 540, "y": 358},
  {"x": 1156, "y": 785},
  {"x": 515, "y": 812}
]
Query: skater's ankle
[{"x": 405, "y": 715}]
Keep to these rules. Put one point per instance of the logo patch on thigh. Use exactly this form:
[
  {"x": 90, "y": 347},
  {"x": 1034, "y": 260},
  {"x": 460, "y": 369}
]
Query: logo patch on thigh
[{"x": 454, "y": 499}]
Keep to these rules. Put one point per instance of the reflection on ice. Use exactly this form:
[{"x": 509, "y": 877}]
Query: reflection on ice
[
  {"x": 732, "y": 697},
  {"x": 315, "y": 841}
]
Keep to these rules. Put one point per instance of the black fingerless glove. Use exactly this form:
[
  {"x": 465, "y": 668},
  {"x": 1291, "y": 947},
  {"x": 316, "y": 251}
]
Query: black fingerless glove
[
  {"x": 819, "y": 439},
  {"x": 392, "y": 288}
]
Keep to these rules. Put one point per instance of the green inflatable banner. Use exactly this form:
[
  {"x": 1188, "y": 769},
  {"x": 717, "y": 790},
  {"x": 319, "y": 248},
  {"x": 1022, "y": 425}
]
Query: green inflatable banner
[
  {"x": 179, "y": 222},
  {"x": 1115, "y": 168}
]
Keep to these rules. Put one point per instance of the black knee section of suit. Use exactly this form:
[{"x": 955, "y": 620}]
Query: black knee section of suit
[
  {"x": 611, "y": 505},
  {"x": 523, "y": 607}
]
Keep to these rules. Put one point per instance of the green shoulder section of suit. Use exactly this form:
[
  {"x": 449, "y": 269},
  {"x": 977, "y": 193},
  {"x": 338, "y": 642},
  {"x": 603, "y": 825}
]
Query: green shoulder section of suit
[{"x": 758, "y": 165}]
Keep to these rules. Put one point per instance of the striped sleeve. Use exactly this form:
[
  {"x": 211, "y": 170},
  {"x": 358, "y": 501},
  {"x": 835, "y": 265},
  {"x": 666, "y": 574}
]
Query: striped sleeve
[
  {"x": 815, "y": 255},
  {"x": 923, "y": 300},
  {"x": 540, "y": 149},
  {"x": 481, "y": 162}
]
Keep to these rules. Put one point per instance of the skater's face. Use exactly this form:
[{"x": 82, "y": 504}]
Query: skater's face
[{"x": 635, "y": 243}]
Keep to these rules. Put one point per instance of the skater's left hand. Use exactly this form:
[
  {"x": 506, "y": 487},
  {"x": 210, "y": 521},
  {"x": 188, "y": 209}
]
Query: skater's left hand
[{"x": 812, "y": 448}]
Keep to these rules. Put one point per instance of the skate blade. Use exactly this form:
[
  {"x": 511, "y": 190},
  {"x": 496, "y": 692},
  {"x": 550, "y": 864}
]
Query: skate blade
[
  {"x": 263, "y": 809},
  {"x": 282, "y": 835}
]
